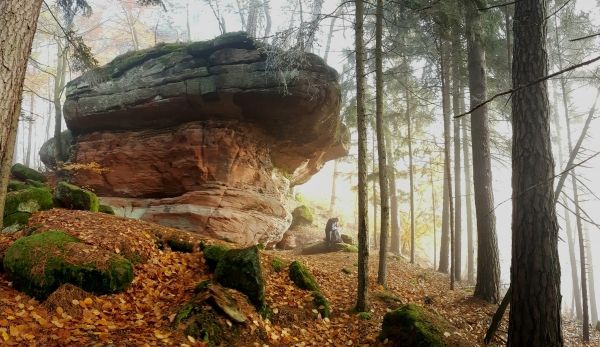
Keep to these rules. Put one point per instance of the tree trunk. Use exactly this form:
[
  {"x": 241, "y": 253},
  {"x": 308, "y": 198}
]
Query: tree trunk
[
  {"x": 252, "y": 22},
  {"x": 433, "y": 213},
  {"x": 333, "y": 188},
  {"x": 445, "y": 238},
  {"x": 534, "y": 318},
  {"x": 413, "y": 245},
  {"x": 568, "y": 231},
  {"x": 267, "y": 10},
  {"x": 59, "y": 85},
  {"x": 469, "y": 204},
  {"x": 362, "y": 302},
  {"x": 30, "y": 122},
  {"x": 593, "y": 303},
  {"x": 18, "y": 19},
  {"x": 374, "y": 198},
  {"x": 487, "y": 286},
  {"x": 241, "y": 14},
  {"x": 384, "y": 225},
  {"x": 456, "y": 68},
  {"x": 187, "y": 22},
  {"x": 395, "y": 223},
  {"x": 565, "y": 100}
]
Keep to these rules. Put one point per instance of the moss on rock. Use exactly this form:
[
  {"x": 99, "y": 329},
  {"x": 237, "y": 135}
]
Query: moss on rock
[
  {"x": 213, "y": 254},
  {"x": 322, "y": 247},
  {"x": 22, "y": 203},
  {"x": 240, "y": 269},
  {"x": 277, "y": 264},
  {"x": 178, "y": 245},
  {"x": 302, "y": 277},
  {"x": 302, "y": 215},
  {"x": 106, "y": 209},
  {"x": 40, "y": 263},
  {"x": 75, "y": 198},
  {"x": 24, "y": 173},
  {"x": 321, "y": 304},
  {"x": 14, "y": 185},
  {"x": 411, "y": 325}
]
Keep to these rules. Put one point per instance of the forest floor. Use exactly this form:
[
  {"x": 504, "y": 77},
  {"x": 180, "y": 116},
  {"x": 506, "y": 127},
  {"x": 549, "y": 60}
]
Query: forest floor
[{"x": 143, "y": 314}]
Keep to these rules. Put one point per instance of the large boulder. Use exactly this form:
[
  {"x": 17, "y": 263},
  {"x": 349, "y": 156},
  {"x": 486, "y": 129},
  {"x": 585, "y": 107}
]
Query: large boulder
[
  {"x": 414, "y": 326},
  {"x": 75, "y": 198},
  {"x": 25, "y": 173},
  {"x": 20, "y": 204},
  {"x": 206, "y": 136},
  {"x": 241, "y": 269},
  {"x": 48, "y": 150},
  {"x": 40, "y": 263}
]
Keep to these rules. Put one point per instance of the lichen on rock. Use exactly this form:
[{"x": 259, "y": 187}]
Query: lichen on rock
[{"x": 20, "y": 204}]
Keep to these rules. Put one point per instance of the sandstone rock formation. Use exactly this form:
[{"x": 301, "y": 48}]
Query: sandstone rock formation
[{"x": 206, "y": 136}]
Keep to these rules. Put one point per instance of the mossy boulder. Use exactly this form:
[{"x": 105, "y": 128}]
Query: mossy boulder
[
  {"x": 48, "y": 150},
  {"x": 106, "y": 209},
  {"x": 179, "y": 245},
  {"x": 75, "y": 198},
  {"x": 24, "y": 173},
  {"x": 40, "y": 263},
  {"x": 14, "y": 185},
  {"x": 241, "y": 269},
  {"x": 22, "y": 203},
  {"x": 347, "y": 239},
  {"x": 302, "y": 277},
  {"x": 322, "y": 247},
  {"x": 411, "y": 325},
  {"x": 321, "y": 304},
  {"x": 277, "y": 264},
  {"x": 302, "y": 215},
  {"x": 213, "y": 254}
]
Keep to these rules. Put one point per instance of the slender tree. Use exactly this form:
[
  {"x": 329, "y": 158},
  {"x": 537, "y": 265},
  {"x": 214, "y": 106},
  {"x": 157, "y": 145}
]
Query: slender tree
[
  {"x": 411, "y": 178},
  {"x": 445, "y": 77},
  {"x": 362, "y": 302},
  {"x": 19, "y": 20},
  {"x": 384, "y": 225},
  {"x": 468, "y": 199},
  {"x": 534, "y": 318},
  {"x": 590, "y": 263},
  {"x": 487, "y": 286},
  {"x": 456, "y": 96}
]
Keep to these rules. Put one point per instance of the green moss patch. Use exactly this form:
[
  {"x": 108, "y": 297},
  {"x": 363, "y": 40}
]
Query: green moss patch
[
  {"x": 22, "y": 203},
  {"x": 40, "y": 263},
  {"x": 322, "y": 247},
  {"x": 24, "y": 173},
  {"x": 213, "y": 254},
  {"x": 240, "y": 269},
  {"x": 302, "y": 215},
  {"x": 72, "y": 197},
  {"x": 321, "y": 304},
  {"x": 302, "y": 277},
  {"x": 106, "y": 209},
  {"x": 413, "y": 326},
  {"x": 178, "y": 245},
  {"x": 277, "y": 264},
  {"x": 14, "y": 185}
]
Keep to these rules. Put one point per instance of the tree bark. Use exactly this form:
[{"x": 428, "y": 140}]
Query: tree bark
[
  {"x": 18, "y": 19},
  {"x": 534, "y": 318},
  {"x": 469, "y": 204},
  {"x": 30, "y": 121},
  {"x": 487, "y": 286},
  {"x": 445, "y": 238},
  {"x": 384, "y": 225},
  {"x": 456, "y": 68},
  {"x": 568, "y": 231},
  {"x": 267, "y": 10},
  {"x": 433, "y": 213},
  {"x": 413, "y": 245},
  {"x": 362, "y": 302},
  {"x": 252, "y": 22},
  {"x": 59, "y": 85},
  {"x": 395, "y": 223},
  {"x": 593, "y": 303},
  {"x": 374, "y": 198}
]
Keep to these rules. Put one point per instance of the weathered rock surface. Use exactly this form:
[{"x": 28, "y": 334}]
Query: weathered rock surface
[{"x": 206, "y": 136}]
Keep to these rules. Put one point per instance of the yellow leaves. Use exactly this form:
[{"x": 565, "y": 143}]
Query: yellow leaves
[
  {"x": 88, "y": 301},
  {"x": 160, "y": 335},
  {"x": 5, "y": 336}
]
